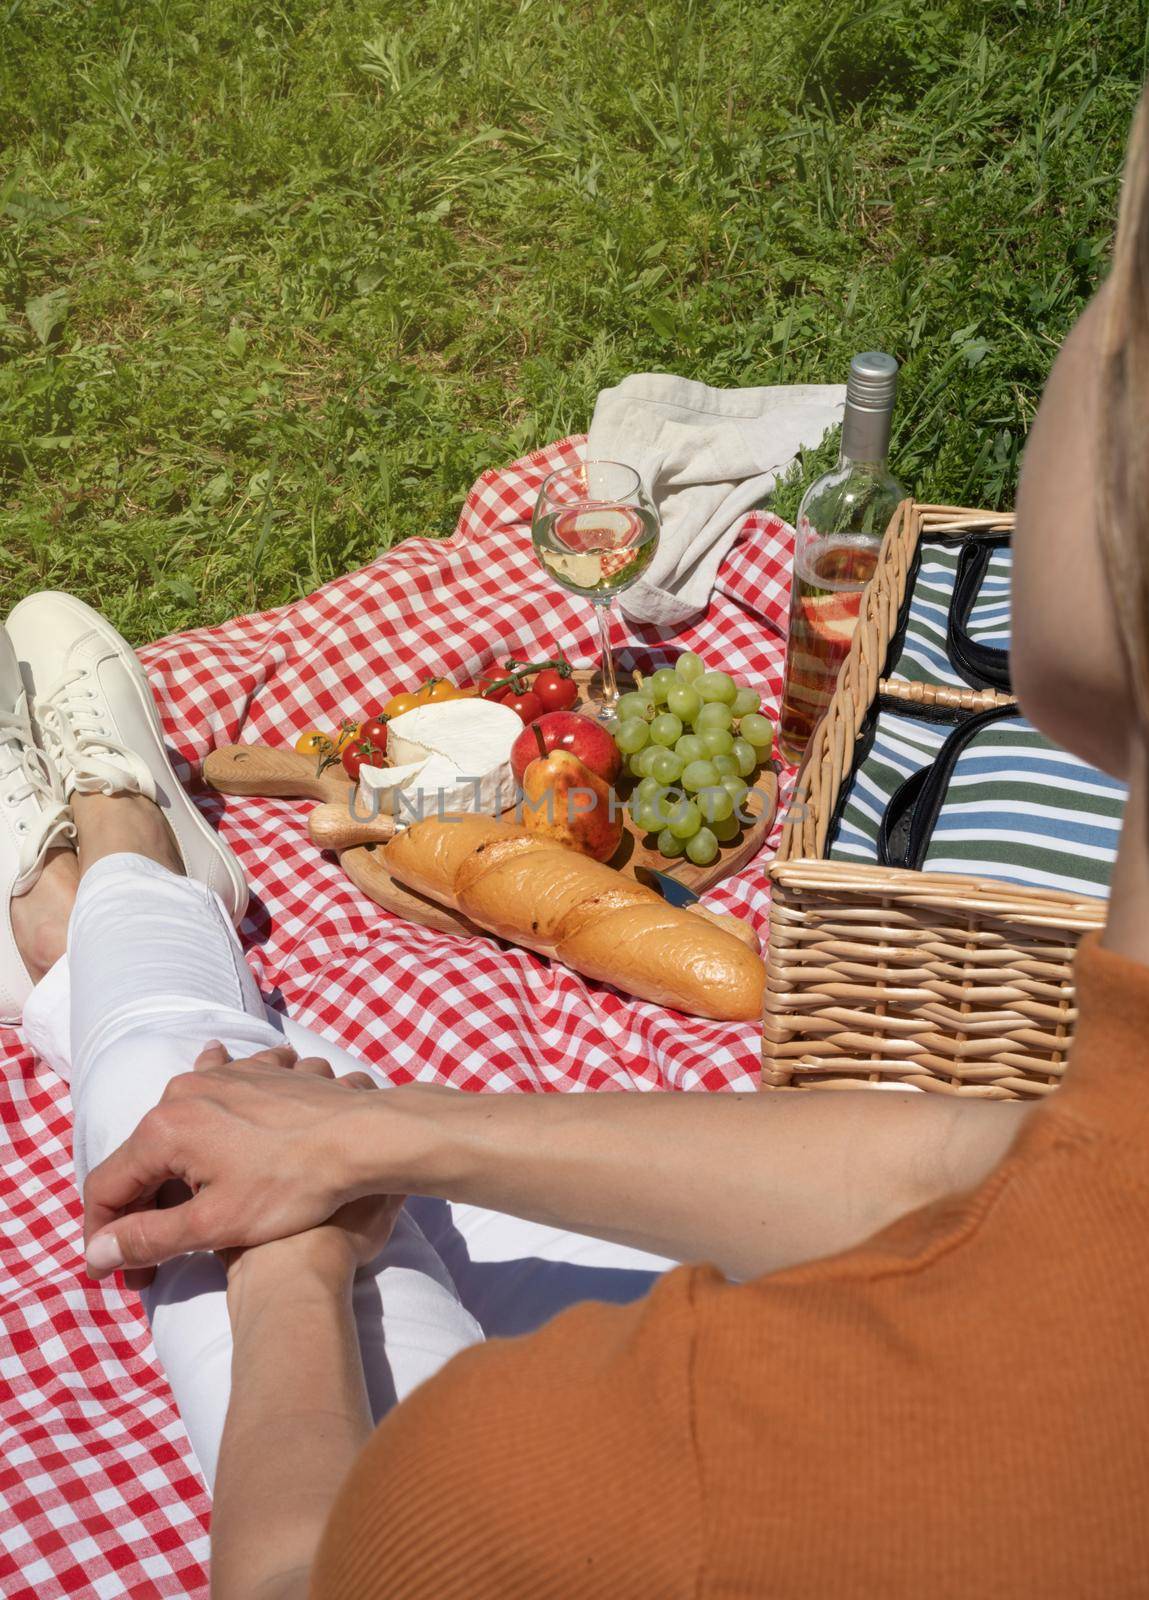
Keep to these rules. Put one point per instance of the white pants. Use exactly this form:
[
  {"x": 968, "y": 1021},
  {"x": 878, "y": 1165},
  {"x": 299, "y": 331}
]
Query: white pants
[{"x": 153, "y": 971}]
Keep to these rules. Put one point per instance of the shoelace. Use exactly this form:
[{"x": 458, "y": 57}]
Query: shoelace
[
  {"x": 24, "y": 774},
  {"x": 72, "y": 721}
]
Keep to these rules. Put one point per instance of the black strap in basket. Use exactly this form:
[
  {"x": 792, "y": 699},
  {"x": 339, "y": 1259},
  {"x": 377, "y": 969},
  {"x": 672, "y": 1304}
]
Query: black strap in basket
[
  {"x": 983, "y": 666},
  {"x": 979, "y": 665},
  {"x": 911, "y": 816},
  {"x": 864, "y": 743}
]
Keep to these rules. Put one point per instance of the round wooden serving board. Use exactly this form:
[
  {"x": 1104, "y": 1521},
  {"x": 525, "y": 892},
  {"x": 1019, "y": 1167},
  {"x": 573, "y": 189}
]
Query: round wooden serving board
[{"x": 285, "y": 774}]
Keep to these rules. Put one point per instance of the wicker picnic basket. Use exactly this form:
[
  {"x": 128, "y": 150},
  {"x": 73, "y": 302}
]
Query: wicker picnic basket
[{"x": 959, "y": 985}]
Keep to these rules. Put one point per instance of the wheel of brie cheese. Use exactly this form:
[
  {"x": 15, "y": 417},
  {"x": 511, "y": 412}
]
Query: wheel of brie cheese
[{"x": 448, "y": 756}]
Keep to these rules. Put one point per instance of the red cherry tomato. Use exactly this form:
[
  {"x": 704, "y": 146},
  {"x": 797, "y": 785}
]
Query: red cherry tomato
[
  {"x": 362, "y": 753},
  {"x": 374, "y": 731},
  {"x": 527, "y": 705},
  {"x": 498, "y": 695},
  {"x": 555, "y": 692}
]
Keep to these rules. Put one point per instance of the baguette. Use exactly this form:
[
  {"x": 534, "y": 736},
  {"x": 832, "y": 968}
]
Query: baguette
[{"x": 531, "y": 891}]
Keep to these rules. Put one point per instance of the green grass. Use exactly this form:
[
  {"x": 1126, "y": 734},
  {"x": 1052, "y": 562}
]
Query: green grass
[{"x": 279, "y": 278}]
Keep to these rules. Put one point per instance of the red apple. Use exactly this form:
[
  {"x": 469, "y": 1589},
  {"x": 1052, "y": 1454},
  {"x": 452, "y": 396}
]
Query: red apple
[{"x": 568, "y": 730}]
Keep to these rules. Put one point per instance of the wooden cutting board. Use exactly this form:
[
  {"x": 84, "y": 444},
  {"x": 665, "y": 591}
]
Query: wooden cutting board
[{"x": 285, "y": 774}]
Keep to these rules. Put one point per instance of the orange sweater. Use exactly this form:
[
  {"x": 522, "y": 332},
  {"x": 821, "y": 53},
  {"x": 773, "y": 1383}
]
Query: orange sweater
[{"x": 957, "y": 1409}]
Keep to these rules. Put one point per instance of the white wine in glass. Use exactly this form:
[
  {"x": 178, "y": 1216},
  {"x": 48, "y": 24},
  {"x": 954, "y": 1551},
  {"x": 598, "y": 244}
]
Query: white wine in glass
[{"x": 595, "y": 531}]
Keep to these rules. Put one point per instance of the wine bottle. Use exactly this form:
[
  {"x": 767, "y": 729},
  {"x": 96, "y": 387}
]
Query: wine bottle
[{"x": 841, "y": 521}]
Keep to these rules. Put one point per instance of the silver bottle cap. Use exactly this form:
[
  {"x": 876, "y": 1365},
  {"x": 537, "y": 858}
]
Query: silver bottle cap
[
  {"x": 866, "y": 420},
  {"x": 873, "y": 381}
]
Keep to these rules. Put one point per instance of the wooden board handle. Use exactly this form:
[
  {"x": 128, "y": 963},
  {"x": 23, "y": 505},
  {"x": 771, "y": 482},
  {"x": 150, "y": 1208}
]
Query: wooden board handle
[
  {"x": 257, "y": 769},
  {"x": 335, "y": 827}
]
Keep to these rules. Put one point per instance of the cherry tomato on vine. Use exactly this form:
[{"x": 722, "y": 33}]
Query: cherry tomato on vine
[
  {"x": 438, "y": 689},
  {"x": 345, "y": 733},
  {"x": 527, "y": 705},
  {"x": 555, "y": 692},
  {"x": 488, "y": 691},
  {"x": 313, "y": 743},
  {"x": 362, "y": 753},
  {"x": 435, "y": 689},
  {"x": 374, "y": 731}
]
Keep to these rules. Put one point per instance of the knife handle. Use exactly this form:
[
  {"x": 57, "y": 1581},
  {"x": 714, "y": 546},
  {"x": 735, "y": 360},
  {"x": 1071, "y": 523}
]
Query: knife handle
[{"x": 336, "y": 827}]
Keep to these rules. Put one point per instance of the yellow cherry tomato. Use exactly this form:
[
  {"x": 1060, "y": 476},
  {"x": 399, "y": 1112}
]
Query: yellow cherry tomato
[
  {"x": 437, "y": 689},
  {"x": 313, "y": 743},
  {"x": 429, "y": 693},
  {"x": 399, "y": 703}
]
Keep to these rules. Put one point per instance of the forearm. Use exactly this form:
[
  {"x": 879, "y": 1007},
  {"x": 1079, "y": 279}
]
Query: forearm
[
  {"x": 298, "y": 1417},
  {"x": 750, "y": 1182}
]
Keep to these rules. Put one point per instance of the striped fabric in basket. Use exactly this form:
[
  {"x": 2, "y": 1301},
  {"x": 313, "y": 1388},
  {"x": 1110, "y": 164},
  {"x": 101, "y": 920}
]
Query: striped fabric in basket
[
  {"x": 902, "y": 746},
  {"x": 1017, "y": 808},
  {"x": 922, "y": 658},
  {"x": 1020, "y": 808}
]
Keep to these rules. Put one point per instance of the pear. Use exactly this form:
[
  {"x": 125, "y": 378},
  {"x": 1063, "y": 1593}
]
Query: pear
[{"x": 565, "y": 801}]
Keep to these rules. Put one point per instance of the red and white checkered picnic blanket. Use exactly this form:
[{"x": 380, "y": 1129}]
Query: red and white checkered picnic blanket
[{"x": 98, "y": 1495}]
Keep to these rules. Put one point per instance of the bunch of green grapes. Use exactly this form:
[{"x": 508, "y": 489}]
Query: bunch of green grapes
[{"x": 694, "y": 739}]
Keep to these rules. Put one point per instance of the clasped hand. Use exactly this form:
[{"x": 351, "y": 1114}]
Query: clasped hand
[{"x": 261, "y": 1149}]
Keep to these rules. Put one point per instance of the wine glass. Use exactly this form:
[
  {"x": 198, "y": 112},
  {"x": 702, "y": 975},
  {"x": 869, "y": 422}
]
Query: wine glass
[{"x": 595, "y": 531}]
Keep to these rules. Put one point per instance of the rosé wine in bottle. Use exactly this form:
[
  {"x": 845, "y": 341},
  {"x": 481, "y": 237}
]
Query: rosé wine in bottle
[{"x": 839, "y": 533}]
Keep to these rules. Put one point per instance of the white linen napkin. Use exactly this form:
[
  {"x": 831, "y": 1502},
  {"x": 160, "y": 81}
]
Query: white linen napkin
[{"x": 706, "y": 456}]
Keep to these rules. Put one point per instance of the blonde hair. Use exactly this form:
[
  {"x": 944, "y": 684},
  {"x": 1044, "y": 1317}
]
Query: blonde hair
[{"x": 1123, "y": 444}]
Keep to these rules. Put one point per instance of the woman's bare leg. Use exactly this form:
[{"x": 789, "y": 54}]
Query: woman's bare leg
[
  {"x": 123, "y": 824},
  {"x": 107, "y": 825},
  {"x": 40, "y": 917}
]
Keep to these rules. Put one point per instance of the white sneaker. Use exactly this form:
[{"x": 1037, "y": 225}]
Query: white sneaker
[
  {"x": 34, "y": 819},
  {"x": 98, "y": 722}
]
